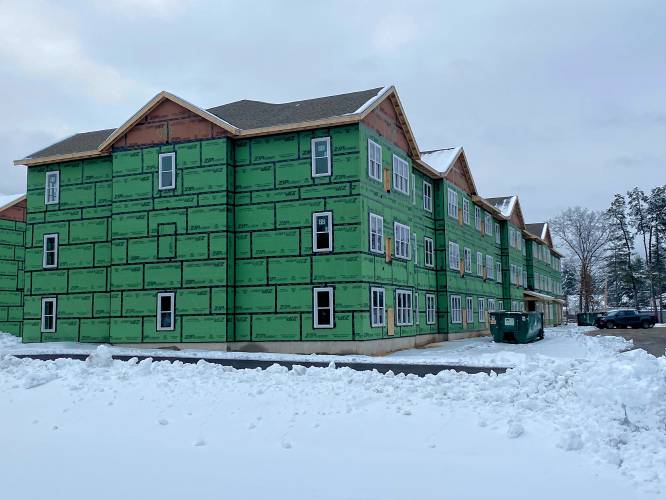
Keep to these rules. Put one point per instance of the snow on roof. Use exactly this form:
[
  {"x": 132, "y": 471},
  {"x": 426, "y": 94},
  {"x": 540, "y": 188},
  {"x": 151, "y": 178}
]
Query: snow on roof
[
  {"x": 372, "y": 100},
  {"x": 504, "y": 204},
  {"x": 441, "y": 159},
  {"x": 7, "y": 200}
]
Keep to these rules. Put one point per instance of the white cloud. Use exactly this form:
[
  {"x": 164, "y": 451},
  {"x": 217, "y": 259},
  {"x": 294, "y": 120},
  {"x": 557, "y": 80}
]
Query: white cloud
[{"x": 134, "y": 8}]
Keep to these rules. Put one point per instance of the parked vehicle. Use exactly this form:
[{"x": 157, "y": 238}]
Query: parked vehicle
[{"x": 625, "y": 318}]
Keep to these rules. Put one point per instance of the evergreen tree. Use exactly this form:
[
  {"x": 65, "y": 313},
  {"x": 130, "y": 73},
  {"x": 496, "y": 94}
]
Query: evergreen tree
[{"x": 621, "y": 281}]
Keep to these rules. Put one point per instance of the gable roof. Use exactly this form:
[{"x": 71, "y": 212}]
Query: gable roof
[
  {"x": 508, "y": 207},
  {"x": 538, "y": 229},
  {"x": 443, "y": 160},
  {"x": 242, "y": 118}
]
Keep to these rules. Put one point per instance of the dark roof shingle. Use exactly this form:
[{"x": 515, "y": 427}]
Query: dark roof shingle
[
  {"x": 77, "y": 143},
  {"x": 535, "y": 229}
]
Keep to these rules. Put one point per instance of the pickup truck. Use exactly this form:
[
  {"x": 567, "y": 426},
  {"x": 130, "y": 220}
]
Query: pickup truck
[{"x": 626, "y": 318}]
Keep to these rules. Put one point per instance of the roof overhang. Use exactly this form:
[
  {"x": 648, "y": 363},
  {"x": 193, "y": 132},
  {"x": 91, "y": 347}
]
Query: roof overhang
[
  {"x": 531, "y": 295},
  {"x": 443, "y": 175},
  {"x": 30, "y": 162},
  {"x": 12, "y": 203}
]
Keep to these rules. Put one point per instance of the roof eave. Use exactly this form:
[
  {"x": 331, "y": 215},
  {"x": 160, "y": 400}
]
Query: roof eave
[
  {"x": 12, "y": 203},
  {"x": 42, "y": 160}
]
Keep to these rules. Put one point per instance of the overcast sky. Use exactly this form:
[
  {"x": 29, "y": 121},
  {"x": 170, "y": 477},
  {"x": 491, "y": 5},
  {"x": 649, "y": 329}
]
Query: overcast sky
[{"x": 562, "y": 103}]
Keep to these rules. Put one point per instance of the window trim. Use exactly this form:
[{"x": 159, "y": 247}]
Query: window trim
[
  {"x": 158, "y": 323},
  {"x": 397, "y": 255},
  {"x": 490, "y": 267},
  {"x": 406, "y": 309},
  {"x": 55, "y": 251},
  {"x": 381, "y": 290},
  {"x": 481, "y": 306},
  {"x": 373, "y": 145},
  {"x": 431, "y": 312},
  {"x": 466, "y": 211},
  {"x": 161, "y": 186},
  {"x": 453, "y": 309},
  {"x": 54, "y": 301},
  {"x": 397, "y": 175},
  {"x": 427, "y": 206},
  {"x": 315, "y": 306},
  {"x": 469, "y": 312},
  {"x": 467, "y": 252},
  {"x": 429, "y": 255},
  {"x": 329, "y": 215},
  {"x": 477, "y": 217},
  {"x": 452, "y": 201},
  {"x": 381, "y": 250},
  {"x": 56, "y": 199},
  {"x": 479, "y": 263},
  {"x": 489, "y": 224},
  {"x": 498, "y": 239},
  {"x": 313, "y": 163},
  {"x": 455, "y": 245}
]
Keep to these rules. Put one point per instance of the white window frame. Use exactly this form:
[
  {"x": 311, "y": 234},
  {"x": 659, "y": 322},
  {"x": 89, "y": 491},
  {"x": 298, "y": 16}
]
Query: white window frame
[
  {"x": 56, "y": 189},
  {"x": 374, "y": 162},
  {"x": 490, "y": 267},
  {"x": 456, "y": 312},
  {"x": 498, "y": 271},
  {"x": 46, "y": 237},
  {"x": 469, "y": 312},
  {"x": 489, "y": 225},
  {"x": 452, "y": 197},
  {"x": 158, "y": 323},
  {"x": 497, "y": 234},
  {"x": 403, "y": 307},
  {"x": 400, "y": 242},
  {"x": 413, "y": 189},
  {"x": 454, "y": 256},
  {"x": 466, "y": 211},
  {"x": 477, "y": 218},
  {"x": 491, "y": 305},
  {"x": 416, "y": 308},
  {"x": 313, "y": 152},
  {"x": 431, "y": 309},
  {"x": 481, "y": 306},
  {"x": 379, "y": 233},
  {"x": 429, "y": 252},
  {"x": 479, "y": 263},
  {"x": 380, "y": 310},
  {"x": 315, "y": 306},
  {"x": 329, "y": 215},
  {"x": 400, "y": 175},
  {"x": 467, "y": 252},
  {"x": 160, "y": 171},
  {"x": 427, "y": 196},
  {"x": 54, "y": 301}
]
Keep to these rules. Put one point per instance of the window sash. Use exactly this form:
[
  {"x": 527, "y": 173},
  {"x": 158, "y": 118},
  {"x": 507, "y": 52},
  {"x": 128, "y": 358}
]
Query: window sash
[
  {"x": 429, "y": 252},
  {"x": 374, "y": 160},
  {"x": 498, "y": 271},
  {"x": 166, "y": 318},
  {"x": 316, "y": 232},
  {"x": 376, "y": 233},
  {"x": 320, "y": 157},
  {"x": 52, "y": 188},
  {"x": 327, "y": 310},
  {"x": 431, "y": 309},
  {"x": 401, "y": 241},
  {"x": 456, "y": 313},
  {"x": 468, "y": 260},
  {"x": 466, "y": 211},
  {"x": 454, "y": 256},
  {"x": 477, "y": 218},
  {"x": 49, "y": 315},
  {"x": 482, "y": 310},
  {"x": 400, "y": 175},
  {"x": 470, "y": 310},
  {"x": 403, "y": 301},
  {"x": 453, "y": 203},
  {"x": 479, "y": 264},
  {"x": 167, "y": 170},
  {"x": 490, "y": 267},
  {"x": 427, "y": 196},
  {"x": 497, "y": 234},
  {"x": 489, "y": 225},
  {"x": 50, "y": 255},
  {"x": 377, "y": 307}
]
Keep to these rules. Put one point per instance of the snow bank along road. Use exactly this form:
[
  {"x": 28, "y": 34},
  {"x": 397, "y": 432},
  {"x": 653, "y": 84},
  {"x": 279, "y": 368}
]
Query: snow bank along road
[{"x": 589, "y": 426}]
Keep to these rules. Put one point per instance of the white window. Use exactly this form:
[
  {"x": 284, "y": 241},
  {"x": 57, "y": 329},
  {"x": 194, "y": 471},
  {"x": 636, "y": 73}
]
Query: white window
[
  {"x": 523, "y": 281},
  {"x": 50, "y": 255},
  {"x": 322, "y": 307},
  {"x": 49, "y": 314},
  {"x": 523, "y": 247},
  {"x": 427, "y": 196},
  {"x": 429, "y": 247},
  {"x": 400, "y": 175},
  {"x": 498, "y": 271},
  {"x": 479, "y": 264},
  {"x": 167, "y": 170},
  {"x": 416, "y": 252},
  {"x": 490, "y": 267},
  {"x": 477, "y": 218},
  {"x": 416, "y": 308},
  {"x": 491, "y": 305},
  {"x": 467, "y": 253},
  {"x": 489, "y": 225},
  {"x": 500, "y": 305},
  {"x": 376, "y": 233},
  {"x": 453, "y": 203},
  {"x": 456, "y": 314},
  {"x": 402, "y": 236},
  {"x": 454, "y": 256},
  {"x": 413, "y": 189},
  {"x": 469, "y": 313},
  {"x": 321, "y": 156},
  {"x": 322, "y": 232},
  {"x": 512, "y": 268},
  {"x": 52, "y": 188},
  {"x": 465, "y": 211},
  {"x": 377, "y": 307},
  {"x": 497, "y": 234},
  {"x": 431, "y": 309},
  {"x": 403, "y": 302},
  {"x": 374, "y": 160},
  {"x": 482, "y": 310},
  {"x": 166, "y": 307}
]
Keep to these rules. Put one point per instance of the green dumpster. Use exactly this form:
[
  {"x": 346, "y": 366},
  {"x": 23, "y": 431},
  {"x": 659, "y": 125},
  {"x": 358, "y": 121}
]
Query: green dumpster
[
  {"x": 588, "y": 318},
  {"x": 516, "y": 327}
]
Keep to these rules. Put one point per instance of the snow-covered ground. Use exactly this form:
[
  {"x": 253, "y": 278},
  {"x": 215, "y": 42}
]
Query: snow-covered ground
[{"x": 585, "y": 424}]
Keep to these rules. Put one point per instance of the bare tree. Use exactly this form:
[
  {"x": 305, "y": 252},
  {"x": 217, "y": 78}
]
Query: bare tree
[{"x": 585, "y": 233}]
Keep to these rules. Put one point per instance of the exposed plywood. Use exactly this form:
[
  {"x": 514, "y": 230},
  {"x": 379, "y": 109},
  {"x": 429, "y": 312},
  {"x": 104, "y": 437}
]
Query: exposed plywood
[
  {"x": 459, "y": 176},
  {"x": 168, "y": 122},
  {"x": 384, "y": 120},
  {"x": 15, "y": 212}
]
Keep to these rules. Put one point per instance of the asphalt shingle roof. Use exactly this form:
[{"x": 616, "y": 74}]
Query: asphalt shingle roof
[
  {"x": 535, "y": 229},
  {"x": 77, "y": 143}
]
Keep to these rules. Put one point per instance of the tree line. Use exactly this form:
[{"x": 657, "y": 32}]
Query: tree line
[{"x": 617, "y": 256}]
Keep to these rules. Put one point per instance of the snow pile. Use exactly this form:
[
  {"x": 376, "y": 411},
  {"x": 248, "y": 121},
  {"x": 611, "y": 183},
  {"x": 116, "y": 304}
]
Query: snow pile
[{"x": 101, "y": 358}]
